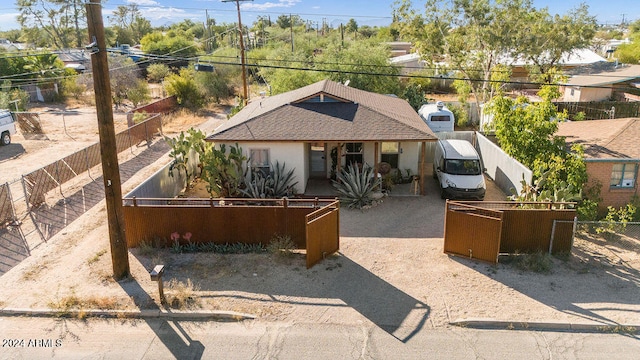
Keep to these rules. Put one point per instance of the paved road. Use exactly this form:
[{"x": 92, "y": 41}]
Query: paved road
[{"x": 157, "y": 339}]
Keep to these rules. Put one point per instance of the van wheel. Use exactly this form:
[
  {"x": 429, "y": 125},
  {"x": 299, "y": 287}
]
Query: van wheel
[{"x": 6, "y": 138}]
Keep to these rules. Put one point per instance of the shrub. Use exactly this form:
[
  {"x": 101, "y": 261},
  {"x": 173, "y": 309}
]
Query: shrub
[
  {"x": 185, "y": 88},
  {"x": 539, "y": 262},
  {"x": 157, "y": 72},
  {"x": 281, "y": 245},
  {"x": 139, "y": 93},
  {"x": 357, "y": 187}
]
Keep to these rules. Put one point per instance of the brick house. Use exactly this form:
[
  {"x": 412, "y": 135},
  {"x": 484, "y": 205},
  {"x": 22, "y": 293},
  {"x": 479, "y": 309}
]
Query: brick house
[{"x": 612, "y": 155}]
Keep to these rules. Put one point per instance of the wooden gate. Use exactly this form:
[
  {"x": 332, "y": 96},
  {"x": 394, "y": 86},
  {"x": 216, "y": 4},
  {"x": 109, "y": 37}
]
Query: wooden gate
[
  {"x": 322, "y": 233},
  {"x": 472, "y": 232}
]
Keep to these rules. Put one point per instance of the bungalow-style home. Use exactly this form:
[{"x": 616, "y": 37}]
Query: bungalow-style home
[
  {"x": 601, "y": 84},
  {"x": 303, "y": 126},
  {"x": 612, "y": 155},
  {"x": 408, "y": 63},
  {"x": 77, "y": 60},
  {"x": 568, "y": 62}
]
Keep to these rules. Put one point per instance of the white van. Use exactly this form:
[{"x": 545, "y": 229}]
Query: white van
[
  {"x": 437, "y": 117},
  {"x": 459, "y": 171},
  {"x": 7, "y": 127}
]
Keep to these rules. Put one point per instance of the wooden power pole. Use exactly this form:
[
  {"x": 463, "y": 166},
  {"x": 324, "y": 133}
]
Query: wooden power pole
[
  {"x": 106, "y": 130},
  {"x": 242, "y": 60}
]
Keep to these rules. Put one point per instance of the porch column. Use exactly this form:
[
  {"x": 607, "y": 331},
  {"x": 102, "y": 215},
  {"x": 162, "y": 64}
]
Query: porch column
[
  {"x": 339, "y": 161},
  {"x": 375, "y": 159},
  {"x": 423, "y": 155}
]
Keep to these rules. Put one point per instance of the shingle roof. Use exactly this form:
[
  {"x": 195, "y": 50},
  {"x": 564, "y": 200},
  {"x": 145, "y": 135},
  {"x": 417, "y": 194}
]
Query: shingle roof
[
  {"x": 357, "y": 115},
  {"x": 604, "y": 139},
  {"x": 606, "y": 77}
]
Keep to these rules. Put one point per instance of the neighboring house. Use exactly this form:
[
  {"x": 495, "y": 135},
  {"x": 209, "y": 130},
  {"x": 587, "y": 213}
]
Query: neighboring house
[
  {"x": 11, "y": 46},
  {"x": 301, "y": 127},
  {"x": 612, "y": 155},
  {"x": 399, "y": 48},
  {"x": 573, "y": 60},
  {"x": 78, "y": 60},
  {"x": 601, "y": 83},
  {"x": 408, "y": 63}
]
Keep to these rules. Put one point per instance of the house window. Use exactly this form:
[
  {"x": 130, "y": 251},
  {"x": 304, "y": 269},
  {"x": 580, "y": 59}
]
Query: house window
[
  {"x": 624, "y": 175},
  {"x": 390, "y": 153},
  {"x": 260, "y": 160},
  {"x": 440, "y": 118},
  {"x": 355, "y": 153}
]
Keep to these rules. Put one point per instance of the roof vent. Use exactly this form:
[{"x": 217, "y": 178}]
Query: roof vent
[
  {"x": 440, "y": 105},
  {"x": 346, "y": 83}
]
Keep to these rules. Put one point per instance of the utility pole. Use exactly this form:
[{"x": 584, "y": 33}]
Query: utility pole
[
  {"x": 242, "y": 61},
  {"x": 106, "y": 130},
  {"x": 291, "y": 28}
]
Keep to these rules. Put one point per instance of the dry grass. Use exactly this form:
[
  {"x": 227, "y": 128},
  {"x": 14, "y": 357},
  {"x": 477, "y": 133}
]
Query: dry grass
[
  {"x": 95, "y": 258},
  {"x": 182, "y": 295},
  {"x": 281, "y": 246},
  {"x": 34, "y": 271},
  {"x": 65, "y": 305}
]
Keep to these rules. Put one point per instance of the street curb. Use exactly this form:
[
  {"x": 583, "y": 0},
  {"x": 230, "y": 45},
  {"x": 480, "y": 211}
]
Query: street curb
[
  {"x": 124, "y": 314},
  {"x": 546, "y": 326}
]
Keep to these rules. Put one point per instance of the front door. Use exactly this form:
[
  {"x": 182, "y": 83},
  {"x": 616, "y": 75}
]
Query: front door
[{"x": 318, "y": 160}]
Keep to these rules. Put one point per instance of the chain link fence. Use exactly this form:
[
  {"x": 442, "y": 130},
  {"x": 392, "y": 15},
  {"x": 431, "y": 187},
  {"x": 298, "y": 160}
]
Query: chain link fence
[{"x": 609, "y": 243}]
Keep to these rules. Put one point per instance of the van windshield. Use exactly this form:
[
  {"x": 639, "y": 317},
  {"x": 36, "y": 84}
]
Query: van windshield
[{"x": 462, "y": 167}]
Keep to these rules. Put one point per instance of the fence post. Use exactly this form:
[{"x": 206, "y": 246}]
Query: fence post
[
  {"x": 26, "y": 194},
  {"x": 575, "y": 227},
  {"x": 146, "y": 133},
  {"x": 135, "y": 201},
  {"x": 553, "y": 233}
]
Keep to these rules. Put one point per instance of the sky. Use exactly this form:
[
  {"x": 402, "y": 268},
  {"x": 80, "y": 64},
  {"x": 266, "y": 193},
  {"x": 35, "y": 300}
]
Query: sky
[{"x": 365, "y": 12}]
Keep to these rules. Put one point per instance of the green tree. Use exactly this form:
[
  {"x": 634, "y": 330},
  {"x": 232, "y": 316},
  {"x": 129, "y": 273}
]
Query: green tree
[
  {"x": 527, "y": 130},
  {"x": 61, "y": 20},
  {"x": 185, "y": 88},
  {"x": 543, "y": 39},
  {"x": 472, "y": 36},
  {"x": 175, "y": 43},
  {"x": 130, "y": 25},
  {"x": 124, "y": 75},
  {"x": 351, "y": 26},
  {"x": 139, "y": 93},
  {"x": 157, "y": 72}
]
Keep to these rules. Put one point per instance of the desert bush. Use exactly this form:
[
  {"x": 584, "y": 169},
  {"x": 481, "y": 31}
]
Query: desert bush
[
  {"x": 182, "y": 295},
  {"x": 539, "y": 262},
  {"x": 139, "y": 93},
  {"x": 281, "y": 245},
  {"x": 157, "y": 72}
]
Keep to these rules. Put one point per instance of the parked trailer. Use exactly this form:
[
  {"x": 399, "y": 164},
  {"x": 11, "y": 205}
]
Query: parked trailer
[{"x": 437, "y": 117}]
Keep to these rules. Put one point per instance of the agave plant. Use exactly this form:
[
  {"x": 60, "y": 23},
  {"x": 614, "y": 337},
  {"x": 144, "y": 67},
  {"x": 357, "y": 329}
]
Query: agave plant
[
  {"x": 282, "y": 181},
  {"x": 276, "y": 185},
  {"x": 356, "y": 186}
]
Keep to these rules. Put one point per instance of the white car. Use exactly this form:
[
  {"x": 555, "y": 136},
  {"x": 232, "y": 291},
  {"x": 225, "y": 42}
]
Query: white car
[{"x": 7, "y": 127}]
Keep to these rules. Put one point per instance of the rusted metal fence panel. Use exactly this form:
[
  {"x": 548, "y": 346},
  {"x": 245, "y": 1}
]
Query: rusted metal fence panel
[
  {"x": 322, "y": 233},
  {"x": 7, "y": 213},
  {"x": 472, "y": 232},
  {"x": 529, "y": 230},
  {"x": 597, "y": 110},
  {"x": 216, "y": 220}
]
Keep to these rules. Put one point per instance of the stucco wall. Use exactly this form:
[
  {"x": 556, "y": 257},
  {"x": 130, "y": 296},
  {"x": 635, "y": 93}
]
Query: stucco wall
[
  {"x": 410, "y": 157},
  {"x": 292, "y": 154},
  {"x": 586, "y": 94},
  {"x": 616, "y": 197}
]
